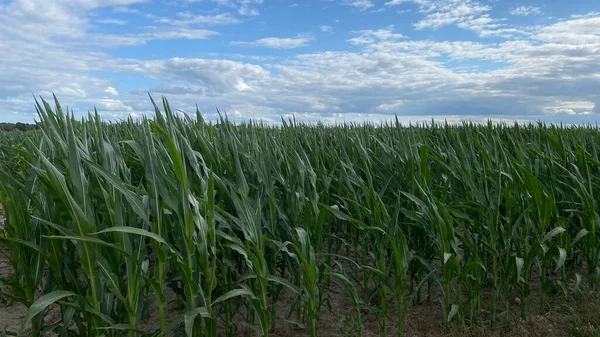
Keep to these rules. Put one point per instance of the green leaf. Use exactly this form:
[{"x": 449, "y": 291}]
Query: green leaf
[
  {"x": 123, "y": 327},
  {"x": 283, "y": 282},
  {"x": 562, "y": 256},
  {"x": 133, "y": 230},
  {"x": 519, "y": 263},
  {"x": 27, "y": 244},
  {"x": 416, "y": 200},
  {"x": 577, "y": 281},
  {"x": 453, "y": 312},
  {"x": 447, "y": 256},
  {"x": 335, "y": 210},
  {"x": 141, "y": 232},
  {"x": 44, "y": 302},
  {"x": 235, "y": 293},
  {"x": 580, "y": 235},
  {"x": 554, "y": 232},
  {"x": 190, "y": 317},
  {"x": 116, "y": 182}
]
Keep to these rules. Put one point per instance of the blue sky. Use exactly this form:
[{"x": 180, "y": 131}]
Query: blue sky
[{"x": 327, "y": 60}]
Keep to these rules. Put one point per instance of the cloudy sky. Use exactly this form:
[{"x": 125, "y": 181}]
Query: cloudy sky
[{"x": 328, "y": 60}]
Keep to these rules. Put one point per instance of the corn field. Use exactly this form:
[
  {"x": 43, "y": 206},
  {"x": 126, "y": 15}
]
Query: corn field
[{"x": 107, "y": 222}]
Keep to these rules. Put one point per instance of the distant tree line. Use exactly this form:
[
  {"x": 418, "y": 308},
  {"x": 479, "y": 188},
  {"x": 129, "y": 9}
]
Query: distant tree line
[{"x": 17, "y": 126}]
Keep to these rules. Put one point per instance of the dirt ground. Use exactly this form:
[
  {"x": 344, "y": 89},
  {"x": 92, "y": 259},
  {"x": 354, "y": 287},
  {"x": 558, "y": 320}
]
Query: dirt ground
[
  {"x": 578, "y": 318},
  {"x": 12, "y": 315}
]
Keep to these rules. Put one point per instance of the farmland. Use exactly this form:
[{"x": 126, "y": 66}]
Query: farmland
[{"x": 243, "y": 229}]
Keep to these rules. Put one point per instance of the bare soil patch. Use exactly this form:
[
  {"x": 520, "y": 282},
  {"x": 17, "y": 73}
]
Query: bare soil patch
[{"x": 11, "y": 315}]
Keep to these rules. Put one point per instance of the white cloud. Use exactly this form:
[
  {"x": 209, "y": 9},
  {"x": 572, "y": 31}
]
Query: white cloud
[
  {"x": 111, "y": 21},
  {"x": 277, "y": 42},
  {"x": 360, "y": 4},
  {"x": 188, "y": 18},
  {"x": 581, "y": 31},
  {"x": 440, "y": 14},
  {"x": 113, "y": 40},
  {"x": 526, "y": 10},
  {"x": 241, "y": 85},
  {"x": 570, "y": 108},
  {"x": 244, "y": 7},
  {"x": 466, "y": 14},
  {"x": 34, "y": 16},
  {"x": 326, "y": 29},
  {"x": 109, "y": 104},
  {"x": 367, "y": 37},
  {"x": 396, "y": 2},
  {"x": 217, "y": 76},
  {"x": 66, "y": 91},
  {"x": 393, "y": 107},
  {"x": 72, "y": 59},
  {"x": 392, "y": 73},
  {"x": 111, "y": 91},
  {"x": 547, "y": 71},
  {"x": 247, "y": 11},
  {"x": 378, "y": 10},
  {"x": 182, "y": 33},
  {"x": 110, "y": 108}
]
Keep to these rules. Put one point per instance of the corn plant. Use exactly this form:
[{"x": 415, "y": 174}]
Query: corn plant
[{"x": 115, "y": 224}]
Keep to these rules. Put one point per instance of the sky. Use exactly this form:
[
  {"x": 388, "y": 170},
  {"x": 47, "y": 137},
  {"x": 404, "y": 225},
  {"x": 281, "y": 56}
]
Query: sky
[{"x": 316, "y": 60}]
